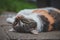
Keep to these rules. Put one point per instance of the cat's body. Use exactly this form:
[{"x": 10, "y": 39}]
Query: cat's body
[{"x": 41, "y": 20}]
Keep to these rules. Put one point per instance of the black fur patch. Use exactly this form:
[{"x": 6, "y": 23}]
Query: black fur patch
[{"x": 45, "y": 23}]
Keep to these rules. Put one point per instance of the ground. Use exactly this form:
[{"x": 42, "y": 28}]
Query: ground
[{"x": 7, "y": 35}]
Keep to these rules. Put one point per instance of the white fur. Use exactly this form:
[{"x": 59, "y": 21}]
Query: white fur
[{"x": 38, "y": 20}]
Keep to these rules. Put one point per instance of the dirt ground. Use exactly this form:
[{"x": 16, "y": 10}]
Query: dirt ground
[{"x": 6, "y": 35}]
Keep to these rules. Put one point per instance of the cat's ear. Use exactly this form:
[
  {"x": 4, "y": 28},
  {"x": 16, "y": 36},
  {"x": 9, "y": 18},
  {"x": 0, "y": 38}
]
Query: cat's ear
[{"x": 10, "y": 20}]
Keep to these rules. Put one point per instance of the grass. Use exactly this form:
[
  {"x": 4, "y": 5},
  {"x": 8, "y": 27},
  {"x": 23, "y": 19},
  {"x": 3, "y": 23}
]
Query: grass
[{"x": 15, "y": 5}]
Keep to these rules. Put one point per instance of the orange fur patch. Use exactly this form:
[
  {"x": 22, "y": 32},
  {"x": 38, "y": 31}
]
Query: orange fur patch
[{"x": 47, "y": 15}]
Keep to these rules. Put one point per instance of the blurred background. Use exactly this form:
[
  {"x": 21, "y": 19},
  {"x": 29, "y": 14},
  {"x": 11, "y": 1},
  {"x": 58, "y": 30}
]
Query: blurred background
[
  {"x": 17, "y": 5},
  {"x": 9, "y": 8}
]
